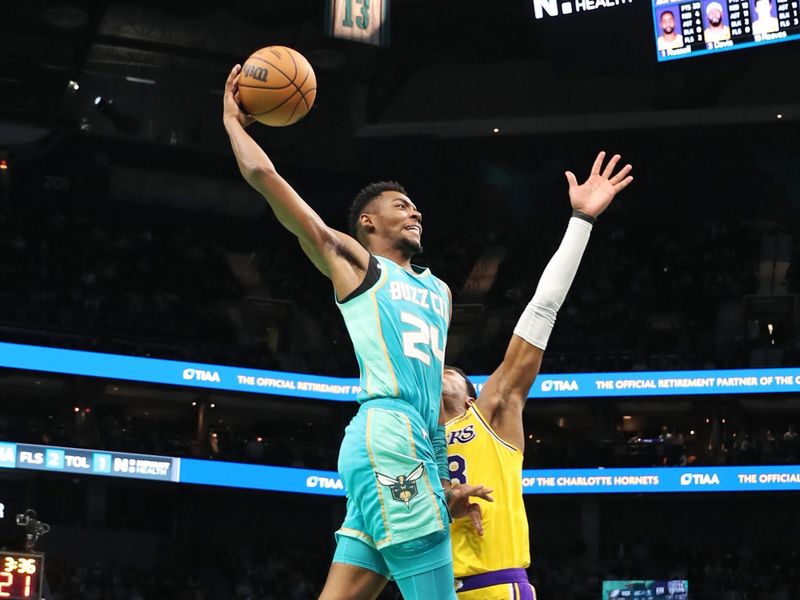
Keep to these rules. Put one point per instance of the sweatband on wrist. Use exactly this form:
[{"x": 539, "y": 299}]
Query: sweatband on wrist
[
  {"x": 582, "y": 215},
  {"x": 538, "y": 318}
]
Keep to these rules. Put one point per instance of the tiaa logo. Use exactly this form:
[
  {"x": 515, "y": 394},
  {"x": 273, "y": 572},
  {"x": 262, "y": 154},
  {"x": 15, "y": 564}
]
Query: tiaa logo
[
  {"x": 330, "y": 483},
  {"x": 550, "y": 385},
  {"x": 699, "y": 479},
  {"x": 201, "y": 375}
]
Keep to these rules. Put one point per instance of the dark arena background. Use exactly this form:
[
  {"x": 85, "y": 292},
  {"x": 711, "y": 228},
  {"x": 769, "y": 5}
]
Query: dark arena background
[{"x": 175, "y": 377}]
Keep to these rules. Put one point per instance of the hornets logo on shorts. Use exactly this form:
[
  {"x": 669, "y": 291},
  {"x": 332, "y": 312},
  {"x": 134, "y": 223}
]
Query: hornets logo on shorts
[{"x": 403, "y": 487}]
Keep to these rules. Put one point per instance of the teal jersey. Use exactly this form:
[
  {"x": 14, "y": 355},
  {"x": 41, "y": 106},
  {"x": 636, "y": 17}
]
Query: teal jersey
[{"x": 399, "y": 329}]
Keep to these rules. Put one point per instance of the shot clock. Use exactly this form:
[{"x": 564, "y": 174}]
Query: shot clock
[{"x": 21, "y": 575}]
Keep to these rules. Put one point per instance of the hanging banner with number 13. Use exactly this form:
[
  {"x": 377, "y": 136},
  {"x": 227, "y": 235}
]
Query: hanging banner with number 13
[{"x": 363, "y": 21}]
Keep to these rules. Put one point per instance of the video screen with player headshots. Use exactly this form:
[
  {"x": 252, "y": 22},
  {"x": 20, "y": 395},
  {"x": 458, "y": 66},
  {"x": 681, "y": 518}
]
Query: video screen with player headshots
[
  {"x": 699, "y": 27},
  {"x": 676, "y": 589}
]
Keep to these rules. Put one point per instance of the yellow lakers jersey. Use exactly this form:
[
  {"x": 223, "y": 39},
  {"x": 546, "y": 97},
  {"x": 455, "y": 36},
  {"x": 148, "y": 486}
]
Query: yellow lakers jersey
[{"x": 479, "y": 456}]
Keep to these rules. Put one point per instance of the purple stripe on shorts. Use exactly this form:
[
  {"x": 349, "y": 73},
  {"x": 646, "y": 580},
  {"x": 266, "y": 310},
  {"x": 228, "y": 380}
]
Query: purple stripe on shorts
[
  {"x": 518, "y": 576},
  {"x": 526, "y": 591}
]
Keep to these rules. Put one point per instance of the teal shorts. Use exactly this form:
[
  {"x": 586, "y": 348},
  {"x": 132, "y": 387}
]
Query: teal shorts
[{"x": 395, "y": 499}]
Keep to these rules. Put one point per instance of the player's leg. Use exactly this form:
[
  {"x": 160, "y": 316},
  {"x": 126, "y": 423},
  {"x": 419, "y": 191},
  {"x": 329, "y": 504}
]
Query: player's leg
[
  {"x": 389, "y": 470},
  {"x": 348, "y": 582},
  {"x": 423, "y": 568},
  {"x": 436, "y": 584},
  {"x": 412, "y": 510},
  {"x": 358, "y": 572}
]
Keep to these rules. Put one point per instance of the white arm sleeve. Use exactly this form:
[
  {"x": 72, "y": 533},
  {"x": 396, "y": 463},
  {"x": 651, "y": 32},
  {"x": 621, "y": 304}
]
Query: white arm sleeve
[{"x": 538, "y": 318}]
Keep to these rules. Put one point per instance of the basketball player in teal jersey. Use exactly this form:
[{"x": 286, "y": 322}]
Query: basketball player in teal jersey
[{"x": 393, "y": 458}]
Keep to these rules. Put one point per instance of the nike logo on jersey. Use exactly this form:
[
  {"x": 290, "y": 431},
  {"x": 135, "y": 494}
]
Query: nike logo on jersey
[{"x": 461, "y": 436}]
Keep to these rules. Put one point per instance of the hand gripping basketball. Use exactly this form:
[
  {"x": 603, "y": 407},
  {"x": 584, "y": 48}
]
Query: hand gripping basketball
[{"x": 277, "y": 86}]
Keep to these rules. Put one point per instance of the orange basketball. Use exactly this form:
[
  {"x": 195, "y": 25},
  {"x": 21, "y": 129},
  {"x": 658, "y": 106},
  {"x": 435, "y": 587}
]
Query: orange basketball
[{"x": 277, "y": 86}]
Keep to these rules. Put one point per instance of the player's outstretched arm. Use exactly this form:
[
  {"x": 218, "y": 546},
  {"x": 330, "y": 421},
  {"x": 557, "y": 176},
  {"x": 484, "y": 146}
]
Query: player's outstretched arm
[
  {"x": 341, "y": 258},
  {"x": 503, "y": 397}
]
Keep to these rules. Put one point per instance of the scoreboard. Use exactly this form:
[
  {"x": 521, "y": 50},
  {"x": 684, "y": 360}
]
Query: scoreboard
[
  {"x": 21, "y": 575},
  {"x": 676, "y": 589}
]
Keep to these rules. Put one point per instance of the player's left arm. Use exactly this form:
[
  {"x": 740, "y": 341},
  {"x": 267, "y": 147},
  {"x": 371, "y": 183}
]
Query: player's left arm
[
  {"x": 457, "y": 495},
  {"x": 503, "y": 397},
  {"x": 439, "y": 440}
]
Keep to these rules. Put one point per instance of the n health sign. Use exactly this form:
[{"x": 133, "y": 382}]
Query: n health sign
[
  {"x": 783, "y": 478},
  {"x": 555, "y": 8}
]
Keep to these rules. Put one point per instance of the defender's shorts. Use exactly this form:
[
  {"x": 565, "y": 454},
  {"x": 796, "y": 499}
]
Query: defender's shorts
[{"x": 507, "y": 584}]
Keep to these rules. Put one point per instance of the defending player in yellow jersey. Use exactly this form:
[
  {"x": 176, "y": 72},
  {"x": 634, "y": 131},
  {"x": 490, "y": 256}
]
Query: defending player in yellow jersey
[{"x": 485, "y": 433}]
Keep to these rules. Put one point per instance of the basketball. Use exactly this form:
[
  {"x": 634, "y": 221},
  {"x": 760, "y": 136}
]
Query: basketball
[{"x": 277, "y": 86}]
